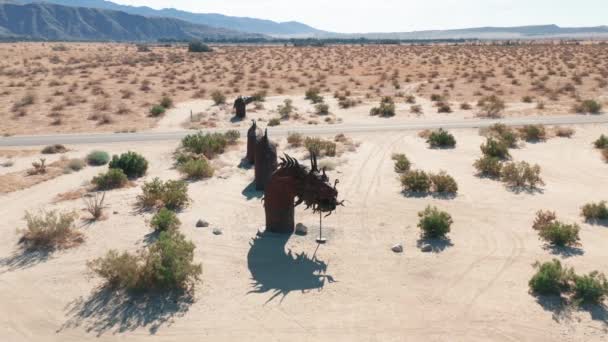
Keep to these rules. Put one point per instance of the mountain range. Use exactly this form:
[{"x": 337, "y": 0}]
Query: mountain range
[
  {"x": 48, "y": 21},
  {"x": 101, "y": 20}
]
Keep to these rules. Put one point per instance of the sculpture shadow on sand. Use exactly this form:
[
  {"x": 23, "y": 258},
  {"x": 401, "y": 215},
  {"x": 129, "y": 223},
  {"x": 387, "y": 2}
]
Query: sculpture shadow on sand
[{"x": 275, "y": 270}]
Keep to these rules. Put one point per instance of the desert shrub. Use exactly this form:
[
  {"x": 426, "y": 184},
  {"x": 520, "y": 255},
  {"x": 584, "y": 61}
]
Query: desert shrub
[
  {"x": 157, "y": 110},
  {"x": 53, "y": 149},
  {"x": 465, "y": 106},
  {"x": 491, "y": 106},
  {"x": 588, "y": 107},
  {"x": 441, "y": 139},
  {"x": 560, "y": 234},
  {"x": 443, "y": 183},
  {"x": 320, "y": 147},
  {"x": 521, "y": 175},
  {"x": 113, "y": 179},
  {"x": 166, "y": 102},
  {"x": 605, "y": 154},
  {"x": 259, "y": 96},
  {"x": 551, "y": 278},
  {"x": 502, "y": 133},
  {"x": 443, "y": 107},
  {"x": 564, "y": 132},
  {"x": 346, "y": 102},
  {"x": 218, "y": 97},
  {"x": 416, "y": 109},
  {"x": 132, "y": 164},
  {"x": 386, "y": 108},
  {"x": 232, "y": 136},
  {"x": 295, "y": 139},
  {"x": 50, "y": 229},
  {"x": 321, "y": 109},
  {"x": 402, "y": 164},
  {"x": 210, "y": 144},
  {"x": 591, "y": 288},
  {"x": 601, "y": 142},
  {"x": 274, "y": 122},
  {"x": 171, "y": 194},
  {"x": 434, "y": 223},
  {"x": 165, "y": 265},
  {"x": 543, "y": 220},
  {"x": 98, "y": 158},
  {"x": 488, "y": 166},
  {"x": 75, "y": 164},
  {"x": 198, "y": 47},
  {"x": 165, "y": 220},
  {"x": 286, "y": 109},
  {"x": 196, "y": 169},
  {"x": 95, "y": 205},
  {"x": 416, "y": 181},
  {"x": 595, "y": 211},
  {"x": 411, "y": 99},
  {"x": 313, "y": 94},
  {"x": 533, "y": 133},
  {"x": 495, "y": 148}
]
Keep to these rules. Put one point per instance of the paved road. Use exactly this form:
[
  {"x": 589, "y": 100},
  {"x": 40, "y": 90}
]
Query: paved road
[{"x": 103, "y": 138}]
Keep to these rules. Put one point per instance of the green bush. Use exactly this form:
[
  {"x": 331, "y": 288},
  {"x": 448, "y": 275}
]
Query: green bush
[
  {"x": 441, "y": 139},
  {"x": 595, "y": 211},
  {"x": 320, "y": 147},
  {"x": 171, "y": 194},
  {"x": 286, "y": 109},
  {"x": 274, "y": 122},
  {"x": 416, "y": 181},
  {"x": 113, "y": 179},
  {"x": 551, "y": 278},
  {"x": 601, "y": 142},
  {"x": 51, "y": 230},
  {"x": 434, "y": 223},
  {"x": 588, "y": 106},
  {"x": 132, "y": 164},
  {"x": 165, "y": 265},
  {"x": 502, "y": 133},
  {"x": 210, "y": 144},
  {"x": 560, "y": 234},
  {"x": 198, "y": 47},
  {"x": 98, "y": 158},
  {"x": 196, "y": 169},
  {"x": 495, "y": 148},
  {"x": 165, "y": 220},
  {"x": 402, "y": 164},
  {"x": 591, "y": 288},
  {"x": 443, "y": 183},
  {"x": 386, "y": 108},
  {"x": 488, "y": 166},
  {"x": 157, "y": 110},
  {"x": 232, "y": 136},
  {"x": 521, "y": 175},
  {"x": 218, "y": 97},
  {"x": 533, "y": 133},
  {"x": 313, "y": 94}
]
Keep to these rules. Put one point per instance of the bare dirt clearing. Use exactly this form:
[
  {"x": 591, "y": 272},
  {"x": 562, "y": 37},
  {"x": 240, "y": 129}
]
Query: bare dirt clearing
[{"x": 473, "y": 288}]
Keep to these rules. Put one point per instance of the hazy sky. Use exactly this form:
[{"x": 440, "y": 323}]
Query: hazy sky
[{"x": 402, "y": 15}]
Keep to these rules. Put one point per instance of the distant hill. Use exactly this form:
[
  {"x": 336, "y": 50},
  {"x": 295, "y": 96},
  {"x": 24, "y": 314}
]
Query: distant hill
[
  {"x": 518, "y": 32},
  {"x": 243, "y": 24},
  {"x": 55, "y": 22}
]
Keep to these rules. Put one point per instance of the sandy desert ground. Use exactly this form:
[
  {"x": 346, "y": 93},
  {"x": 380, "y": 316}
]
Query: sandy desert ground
[
  {"x": 52, "y": 87},
  {"x": 354, "y": 288}
]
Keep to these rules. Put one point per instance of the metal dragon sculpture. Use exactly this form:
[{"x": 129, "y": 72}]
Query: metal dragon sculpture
[
  {"x": 240, "y": 106},
  {"x": 293, "y": 184}
]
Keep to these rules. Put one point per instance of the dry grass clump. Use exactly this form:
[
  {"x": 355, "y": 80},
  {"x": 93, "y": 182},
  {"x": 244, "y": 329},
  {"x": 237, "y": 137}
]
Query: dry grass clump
[
  {"x": 555, "y": 232},
  {"x": 521, "y": 175},
  {"x": 51, "y": 230}
]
